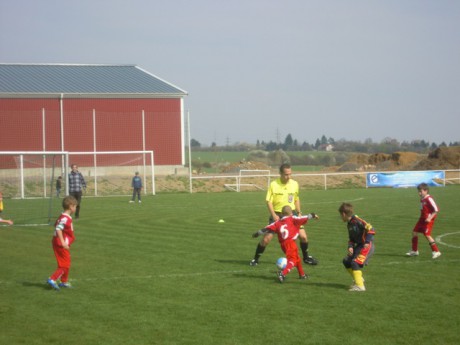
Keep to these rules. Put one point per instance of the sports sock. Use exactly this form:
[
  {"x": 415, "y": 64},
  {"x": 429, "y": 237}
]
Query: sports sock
[
  {"x": 259, "y": 251},
  {"x": 350, "y": 271},
  {"x": 434, "y": 247},
  {"x": 304, "y": 248},
  {"x": 358, "y": 277},
  {"x": 57, "y": 274},
  {"x": 414, "y": 243}
]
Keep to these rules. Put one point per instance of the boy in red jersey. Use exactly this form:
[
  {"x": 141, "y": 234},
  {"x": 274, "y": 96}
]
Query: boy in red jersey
[
  {"x": 360, "y": 245},
  {"x": 287, "y": 229},
  {"x": 428, "y": 213},
  {"x": 62, "y": 240}
]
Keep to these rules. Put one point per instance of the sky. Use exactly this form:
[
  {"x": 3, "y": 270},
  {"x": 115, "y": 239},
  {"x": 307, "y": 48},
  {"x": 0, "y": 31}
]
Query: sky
[{"x": 263, "y": 69}]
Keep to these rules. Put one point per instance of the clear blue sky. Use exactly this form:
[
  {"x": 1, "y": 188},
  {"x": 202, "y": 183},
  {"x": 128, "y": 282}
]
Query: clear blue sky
[{"x": 262, "y": 69}]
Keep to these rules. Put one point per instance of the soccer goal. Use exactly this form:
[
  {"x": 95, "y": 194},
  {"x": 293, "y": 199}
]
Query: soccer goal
[
  {"x": 28, "y": 180},
  {"x": 28, "y": 184},
  {"x": 109, "y": 173},
  {"x": 249, "y": 180}
]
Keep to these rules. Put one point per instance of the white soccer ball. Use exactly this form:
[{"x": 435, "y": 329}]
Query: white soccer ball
[{"x": 281, "y": 263}]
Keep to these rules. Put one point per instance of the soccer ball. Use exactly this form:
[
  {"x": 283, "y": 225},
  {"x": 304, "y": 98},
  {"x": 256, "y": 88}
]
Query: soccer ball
[{"x": 281, "y": 263}]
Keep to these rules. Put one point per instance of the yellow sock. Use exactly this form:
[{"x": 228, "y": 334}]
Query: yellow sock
[
  {"x": 358, "y": 277},
  {"x": 350, "y": 271}
]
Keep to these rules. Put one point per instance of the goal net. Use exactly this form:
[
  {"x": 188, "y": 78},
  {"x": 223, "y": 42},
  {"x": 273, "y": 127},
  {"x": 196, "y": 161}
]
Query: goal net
[
  {"x": 110, "y": 173},
  {"x": 28, "y": 185},
  {"x": 28, "y": 180}
]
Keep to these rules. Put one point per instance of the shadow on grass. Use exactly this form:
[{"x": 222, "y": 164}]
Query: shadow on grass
[
  {"x": 261, "y": 276},
  {"x": 330, "y": 285},
  {"x": 37, "y": 285},
  {"x": 233, "y": 262}
]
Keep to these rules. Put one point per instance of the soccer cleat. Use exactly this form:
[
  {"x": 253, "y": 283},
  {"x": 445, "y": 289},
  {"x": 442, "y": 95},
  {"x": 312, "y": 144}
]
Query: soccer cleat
[
  {"x": 412, "y": 253},
  {"x": 140, "y": 201},
  {"x": 435, "y": 255},
  {"x": 65, "y": 285},
  {"x": 281, "y": 277},
  {"x": 310, "y": 260},
  {"x": 130, "y": 201},
  {"x": 357, "y": 288},
  {"x": 253, "y": 262},
  {"x": 53, "y": 284},
  {"x": 303, "y": 276}
]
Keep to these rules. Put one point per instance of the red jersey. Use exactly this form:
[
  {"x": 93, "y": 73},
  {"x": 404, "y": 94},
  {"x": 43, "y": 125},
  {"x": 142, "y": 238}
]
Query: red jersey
[
  {"x": 288, "y": 227},
  {"x": 427, "y": 206},
  {"x": 64, "y": 224}
]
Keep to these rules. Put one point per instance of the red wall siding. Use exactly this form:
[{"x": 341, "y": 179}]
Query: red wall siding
[{"x": 118, "y": 126}]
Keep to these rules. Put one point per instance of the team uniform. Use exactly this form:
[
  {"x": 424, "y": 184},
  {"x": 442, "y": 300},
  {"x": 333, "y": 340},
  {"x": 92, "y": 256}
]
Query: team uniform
[
  {"x": 360, "y": 249},
  {"x": 359, "y": 233},
  {"x": 287, "y": 229},
  {"x": 427, "y": 207},
  {"x": 64, "y": 224}
]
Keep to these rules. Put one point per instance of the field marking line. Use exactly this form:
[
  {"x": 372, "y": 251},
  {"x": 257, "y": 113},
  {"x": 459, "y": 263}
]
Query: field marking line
[
  {"x": 256, "y": 271},
  {"x": 438, "y": 239}
]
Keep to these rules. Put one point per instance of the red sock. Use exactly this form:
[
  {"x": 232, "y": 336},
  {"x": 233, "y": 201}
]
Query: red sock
[
  {"x": 288, "y": 267},
  {"x": 300, "y": 269},
  {"x": 415, "y": 243},
  {"x": 65, "y": 275},
  {"x": 434, "y": 247},
  {"x": 57, "y": 274}
]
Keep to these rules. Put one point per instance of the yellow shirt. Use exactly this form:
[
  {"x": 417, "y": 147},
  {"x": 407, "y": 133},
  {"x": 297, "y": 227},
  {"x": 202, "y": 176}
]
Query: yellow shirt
[{"x": 280, "y": 194}]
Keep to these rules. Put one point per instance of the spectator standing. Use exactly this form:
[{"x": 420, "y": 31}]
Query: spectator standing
[
  {"x": 76, "y": 186},
  {"x": 58, "y": 186}
]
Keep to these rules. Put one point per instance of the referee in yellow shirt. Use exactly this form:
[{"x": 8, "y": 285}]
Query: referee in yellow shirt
[{"x": 283, "y": 191}]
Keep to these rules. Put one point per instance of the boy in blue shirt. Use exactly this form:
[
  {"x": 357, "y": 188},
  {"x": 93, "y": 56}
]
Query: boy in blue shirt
[{"x": 136, "y": 183}]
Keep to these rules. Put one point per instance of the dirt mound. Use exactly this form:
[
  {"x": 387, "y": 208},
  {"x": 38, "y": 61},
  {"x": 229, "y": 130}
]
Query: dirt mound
[
  {"x": 378, "y": 158},
  {"x": 405, "y": 159},
  {"x": 441, "y": 158},
  {"x": 245, "y": 165}
]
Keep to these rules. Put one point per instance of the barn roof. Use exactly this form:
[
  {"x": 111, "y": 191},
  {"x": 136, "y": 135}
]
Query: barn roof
[{"x": 76, "y": 80}]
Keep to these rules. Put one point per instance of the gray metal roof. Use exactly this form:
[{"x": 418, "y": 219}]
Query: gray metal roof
[{"x": 82, "y": 80}]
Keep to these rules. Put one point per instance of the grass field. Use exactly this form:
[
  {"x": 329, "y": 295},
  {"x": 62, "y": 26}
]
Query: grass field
[{"x": 166, "y": 272}]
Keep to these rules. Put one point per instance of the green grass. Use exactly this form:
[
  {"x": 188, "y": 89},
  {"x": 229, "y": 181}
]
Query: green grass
[{"x": 166, "y": 272}]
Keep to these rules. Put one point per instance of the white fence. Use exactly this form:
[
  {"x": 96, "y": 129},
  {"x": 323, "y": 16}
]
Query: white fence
[{"x": 257, "y": 181}]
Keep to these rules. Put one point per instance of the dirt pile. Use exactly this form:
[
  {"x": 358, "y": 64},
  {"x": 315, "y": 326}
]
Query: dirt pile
[
  {"x": 441, "y": 158},
  {"x": 245, "y": 165}
]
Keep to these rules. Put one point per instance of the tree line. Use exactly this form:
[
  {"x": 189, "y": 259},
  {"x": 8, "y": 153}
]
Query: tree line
[{"x": 387, "y": 145}]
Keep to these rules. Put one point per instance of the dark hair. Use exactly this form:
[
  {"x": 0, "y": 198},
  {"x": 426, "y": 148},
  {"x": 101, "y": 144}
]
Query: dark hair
[
  {"x": 346, "y": 208},
  {"x": 423, "y": 186},
  {"x": 284, "y": 166}
]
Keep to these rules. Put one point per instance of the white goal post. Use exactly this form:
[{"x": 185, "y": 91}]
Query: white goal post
[
  {"x": 28, "y": 179},
  {"x": 249, "y": 178}
]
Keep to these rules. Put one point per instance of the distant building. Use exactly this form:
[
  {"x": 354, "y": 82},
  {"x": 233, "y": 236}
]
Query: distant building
[
  {"x": 82, "y": 108},
  {"x": 326, "y": 147}
]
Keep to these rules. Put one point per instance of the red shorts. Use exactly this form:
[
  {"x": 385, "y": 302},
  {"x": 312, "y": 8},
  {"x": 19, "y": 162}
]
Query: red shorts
[
  {"x": 424, "y": 227},
  {"x": 291, "y": 251},
  {"x": 62, "y": 256}
]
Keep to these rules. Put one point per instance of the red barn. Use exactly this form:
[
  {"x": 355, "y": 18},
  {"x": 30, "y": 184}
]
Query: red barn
[{"x": 89, "y": 108}]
